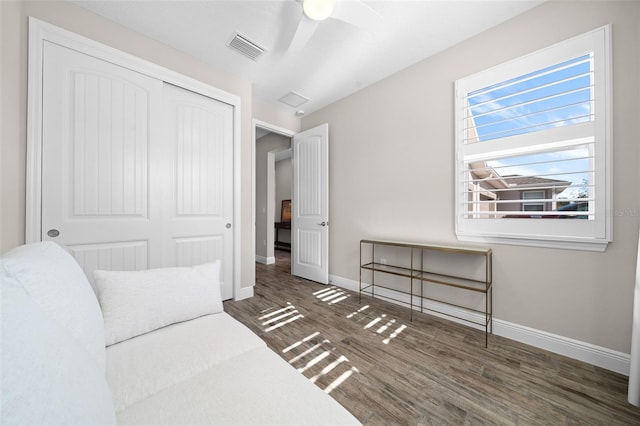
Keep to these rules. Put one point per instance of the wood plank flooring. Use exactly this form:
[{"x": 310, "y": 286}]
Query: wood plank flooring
[{"x": 387, "y": 370}]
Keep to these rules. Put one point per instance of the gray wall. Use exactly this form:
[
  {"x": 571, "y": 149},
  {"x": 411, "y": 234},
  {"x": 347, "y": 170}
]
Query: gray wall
[
  {"x": 391, "y": 175},
  {"x": 266, "y": 207}
]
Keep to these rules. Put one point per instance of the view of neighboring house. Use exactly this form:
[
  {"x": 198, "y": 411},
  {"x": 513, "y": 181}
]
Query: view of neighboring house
[{"x": 491, "y": 194}]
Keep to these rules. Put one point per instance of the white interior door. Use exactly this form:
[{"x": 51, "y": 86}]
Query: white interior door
[
  {"x": 199, "y": 172},
  {"x": 310, "y": 209},
  {"x": 97, "y": 136},
  {"x": 136, "y": 173}
]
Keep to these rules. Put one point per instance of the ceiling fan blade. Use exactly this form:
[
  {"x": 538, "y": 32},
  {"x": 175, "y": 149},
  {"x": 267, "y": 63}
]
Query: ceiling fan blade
[
  {"x": 304, "y": 32},
  {"x": 356, "y": 12}
]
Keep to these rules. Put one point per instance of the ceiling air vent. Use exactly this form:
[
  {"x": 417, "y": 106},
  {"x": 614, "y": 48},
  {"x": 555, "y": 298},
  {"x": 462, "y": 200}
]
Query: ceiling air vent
[
  {"x": 293, "y": 99},
  {"x": 245, "y": 46}
]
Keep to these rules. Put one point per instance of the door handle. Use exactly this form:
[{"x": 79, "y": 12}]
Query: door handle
[
  {"x": 323, "y": 223},
  {"x": 53, "y": 233}
]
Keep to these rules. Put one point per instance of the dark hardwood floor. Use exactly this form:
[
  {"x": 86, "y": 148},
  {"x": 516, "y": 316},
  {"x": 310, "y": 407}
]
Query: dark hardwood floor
[{"x": 387, "y": 370}]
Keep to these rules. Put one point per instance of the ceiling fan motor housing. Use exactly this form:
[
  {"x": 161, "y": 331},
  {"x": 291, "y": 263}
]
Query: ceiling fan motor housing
[{"x": 318, "y": 10}]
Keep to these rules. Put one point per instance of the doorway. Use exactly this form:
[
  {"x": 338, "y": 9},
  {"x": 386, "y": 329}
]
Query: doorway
[
  {"x": 272, "y": 185},
  {"x": 309, "y": 199}
]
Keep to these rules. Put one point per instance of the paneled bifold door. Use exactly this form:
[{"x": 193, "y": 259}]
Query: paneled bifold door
[{"x": 136, "y": 173}]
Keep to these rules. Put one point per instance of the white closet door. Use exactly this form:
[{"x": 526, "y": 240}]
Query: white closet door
[
  {"x": 136, "y": 173},
  {"x": 97, "y": 196},
  {"x": 200, "y": 172}
]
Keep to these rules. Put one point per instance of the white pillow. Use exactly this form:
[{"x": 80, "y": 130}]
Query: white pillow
[{"x": 137, "y": 302}]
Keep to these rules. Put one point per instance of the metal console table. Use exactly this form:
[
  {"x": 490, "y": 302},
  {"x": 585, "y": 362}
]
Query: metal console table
[{"x": 414, "y": 269}]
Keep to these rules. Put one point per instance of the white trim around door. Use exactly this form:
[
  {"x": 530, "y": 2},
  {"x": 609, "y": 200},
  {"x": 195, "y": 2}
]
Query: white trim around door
[
  {"x": 41, "y": 32},
  {"x": 273, "y": 129}
]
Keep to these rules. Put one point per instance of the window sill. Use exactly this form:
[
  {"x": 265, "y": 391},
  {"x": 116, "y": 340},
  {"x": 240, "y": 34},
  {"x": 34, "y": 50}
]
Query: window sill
[{"x": 581, "y": 245}]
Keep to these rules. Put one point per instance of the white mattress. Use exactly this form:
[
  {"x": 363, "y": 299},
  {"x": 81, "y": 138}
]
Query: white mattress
[
  {"x": 212, "y": 370},
  {"x": 144, "y": 365},
  {"x": 255, "y": 388}
]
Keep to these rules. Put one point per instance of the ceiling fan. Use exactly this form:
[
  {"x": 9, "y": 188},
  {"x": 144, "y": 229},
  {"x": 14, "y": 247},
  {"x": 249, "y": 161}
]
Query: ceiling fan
[{"x": 354, "y": 12}]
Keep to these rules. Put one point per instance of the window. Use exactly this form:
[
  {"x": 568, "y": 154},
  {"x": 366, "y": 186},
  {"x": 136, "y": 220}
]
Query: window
[
  {"x": 533, "y": 147},
  {"x": 533, "y": 201}
]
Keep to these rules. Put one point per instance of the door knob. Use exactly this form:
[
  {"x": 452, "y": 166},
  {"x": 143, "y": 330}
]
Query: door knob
[
  {"x": 228, "y": 225},
  {"x": 323, "y": 223},
  {"x": 53, "y": 233}
]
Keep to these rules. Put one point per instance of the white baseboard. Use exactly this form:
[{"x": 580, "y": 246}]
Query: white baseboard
[
  {"x": 582, "y": 351},
  {"x": 572, "y": 348},
  {"x": 265, "y": 260},
  {"x": 244, "y": 293}
]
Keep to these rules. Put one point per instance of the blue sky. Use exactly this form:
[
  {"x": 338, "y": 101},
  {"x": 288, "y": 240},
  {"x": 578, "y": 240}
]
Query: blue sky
[{"x": 550, "y": 97}]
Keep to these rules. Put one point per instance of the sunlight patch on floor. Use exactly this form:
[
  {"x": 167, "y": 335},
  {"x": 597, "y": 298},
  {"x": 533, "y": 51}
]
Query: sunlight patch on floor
[
  {"x": 383, "y": 324},
  {"x": 316, "y": 359},
  {"x": 277, "y": 311},
  {"x": 394, "y": 334},
  {"x": 375, "y": 321},
  {"x": 337, "y": 382},
  {"x": 299, "y": 342},
  {"x": 331, "y": 295},
  {"x": 384, "y": 327},
  {"x": 329, "y": 368},
  {"x": 280, "y": 317},
  {"x": 339, "y": 299},
  {"x": 305, "y": 353},
  {"x": 359, "y": 311}
]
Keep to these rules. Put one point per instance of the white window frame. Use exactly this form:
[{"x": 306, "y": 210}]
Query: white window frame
[{"x": 593, "y": 234}]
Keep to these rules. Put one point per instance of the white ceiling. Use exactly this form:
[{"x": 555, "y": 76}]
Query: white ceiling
[{"x": 338, "y": 60}]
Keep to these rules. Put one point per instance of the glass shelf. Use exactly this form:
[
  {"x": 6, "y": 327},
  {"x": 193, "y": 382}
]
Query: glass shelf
[{"x": 428, "y": 277}]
